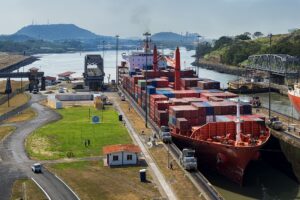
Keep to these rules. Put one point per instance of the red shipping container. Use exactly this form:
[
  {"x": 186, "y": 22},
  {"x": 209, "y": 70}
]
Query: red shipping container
[{"x": 182, "y": 124}]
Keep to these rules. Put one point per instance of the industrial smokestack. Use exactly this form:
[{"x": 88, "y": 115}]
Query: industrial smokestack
[
  {"x": 155, "y": 60},
  {"x": 177, "y": 70}
]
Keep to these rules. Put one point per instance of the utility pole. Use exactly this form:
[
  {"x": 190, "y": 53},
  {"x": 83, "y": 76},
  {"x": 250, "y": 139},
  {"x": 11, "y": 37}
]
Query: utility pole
[
  {"x": 147, "y": 35},
  {"x": 8, "y": 90},
  {"x": 103, "y": 43},
  {"x": 198, "y": 36},
  {"x": 22, "y": 80},
  {"x": 117, "y": 49},
  {"x": 168, "y": 155},
  {"x": 270, "y": 36}
]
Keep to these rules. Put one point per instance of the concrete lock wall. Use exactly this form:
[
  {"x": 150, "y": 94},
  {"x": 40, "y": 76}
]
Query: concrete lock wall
[
  {"x": 54, "y": 103},
  {"x": 74, "y": 97}
]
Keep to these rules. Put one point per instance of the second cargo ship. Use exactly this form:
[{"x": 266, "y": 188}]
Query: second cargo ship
[{"x": 224, "y": 133}]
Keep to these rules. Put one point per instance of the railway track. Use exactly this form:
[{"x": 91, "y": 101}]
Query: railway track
[{"x": 196, "y": 176}]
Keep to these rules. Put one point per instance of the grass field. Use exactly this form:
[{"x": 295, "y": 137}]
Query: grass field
[
  {"x": 93, "y": 181},
  {"x": 14, "y": 85},
  {"x": 26, "y": 115},
  {"x": 14, "y": 102},
  {"x": 68, "y": 135},
  {"x": 5, "y": 130},
  {"x": 8, "y": 59},
  {"x": 26, "y": 189}
]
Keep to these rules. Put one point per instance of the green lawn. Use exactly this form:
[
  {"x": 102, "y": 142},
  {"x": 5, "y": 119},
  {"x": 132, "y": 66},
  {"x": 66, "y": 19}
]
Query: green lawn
[
  {"x": 67, "y": 136},
  {"x": 26, "y": 189},
  {"x": 91, "y": 180}
]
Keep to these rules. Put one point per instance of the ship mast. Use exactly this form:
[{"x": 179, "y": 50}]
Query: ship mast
[{"x": 238, "y": 122}]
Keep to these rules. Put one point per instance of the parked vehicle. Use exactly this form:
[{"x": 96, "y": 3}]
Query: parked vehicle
[
  {"x": 275, "y": 123},
  {"x": 108, "y": 102},
  {"x": 187, "y": 159},
  {"x": 165, "y": 134},
  {"x": 255, "y": 102},
  {"x": 61, "y": 90},
  {"x": 34, "y": 91},
  {"x": 122, "y": 97},
  {"x": 36, "y": 168}
]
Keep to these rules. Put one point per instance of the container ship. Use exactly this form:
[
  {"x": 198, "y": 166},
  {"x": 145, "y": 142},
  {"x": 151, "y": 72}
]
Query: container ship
[
  {"x": 224, "y": 133},
  {"x": 294, "y": 96}
]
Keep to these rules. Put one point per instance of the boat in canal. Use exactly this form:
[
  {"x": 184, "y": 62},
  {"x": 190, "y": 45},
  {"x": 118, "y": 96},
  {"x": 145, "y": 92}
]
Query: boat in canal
[
  {"x": 225, "y": 134},
  {"x": 294, "y": 96}
]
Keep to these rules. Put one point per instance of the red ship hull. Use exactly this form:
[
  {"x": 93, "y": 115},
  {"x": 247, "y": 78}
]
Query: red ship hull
[
  {"x": 295, "y": 100},
  {"x": 230, "y": 161}
]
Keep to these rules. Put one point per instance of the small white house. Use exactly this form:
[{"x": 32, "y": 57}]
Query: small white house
[{"x": 121, "y": 154}]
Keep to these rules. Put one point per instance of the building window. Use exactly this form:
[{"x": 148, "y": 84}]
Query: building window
[
  {"x": 129, "y": 157},
  {"x": 115, "y": 158}
]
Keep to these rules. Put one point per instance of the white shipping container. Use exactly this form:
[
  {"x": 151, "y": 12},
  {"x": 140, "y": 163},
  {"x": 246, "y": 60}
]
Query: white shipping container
[{"x": 209, "y": 118}]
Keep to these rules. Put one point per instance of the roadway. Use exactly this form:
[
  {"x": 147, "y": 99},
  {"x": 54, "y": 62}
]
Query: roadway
[{"x": 15, "y": 164}]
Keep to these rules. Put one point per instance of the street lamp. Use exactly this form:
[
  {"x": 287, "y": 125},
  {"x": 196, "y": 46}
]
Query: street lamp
[
  {"x": 198, "y": 37},
  {"x": 117, "y": 49},
  {"x": 270, "y": 36},
  {"x": 103, "y": 43},
  {"x": 147, "y": 35}
]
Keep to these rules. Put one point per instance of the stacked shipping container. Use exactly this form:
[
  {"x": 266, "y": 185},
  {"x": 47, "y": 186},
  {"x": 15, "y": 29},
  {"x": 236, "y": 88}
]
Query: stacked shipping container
[{"x": 202, "y": 103}]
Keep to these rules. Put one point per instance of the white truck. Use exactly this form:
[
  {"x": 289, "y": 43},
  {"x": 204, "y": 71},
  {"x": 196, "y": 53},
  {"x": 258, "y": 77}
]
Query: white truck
[
  {"x": 165, "y": 134},
  {"x": 36, "y": 168},
  {"x": 187, "y": 159},
  {"x": 275, "y": 123}
]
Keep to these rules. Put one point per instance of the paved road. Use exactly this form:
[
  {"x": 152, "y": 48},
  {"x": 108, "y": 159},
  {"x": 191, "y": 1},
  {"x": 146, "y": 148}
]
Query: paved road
[{"x": 15, "y": 164}]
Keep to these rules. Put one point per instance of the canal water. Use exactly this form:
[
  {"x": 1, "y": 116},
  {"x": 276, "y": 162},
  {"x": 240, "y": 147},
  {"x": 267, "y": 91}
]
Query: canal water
[
  {"x": 262, "y": 181},
  {"x": 53, "y": 64}
]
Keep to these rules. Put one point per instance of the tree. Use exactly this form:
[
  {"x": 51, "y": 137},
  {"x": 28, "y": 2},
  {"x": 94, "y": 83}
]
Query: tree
[
  {"x": 248, "y": 34},
  {"x": 240, "y": 51},
  {"x": 222, "y": 41},
  {"x": 203, "y": 48},
  {"x": 242, "y": 37},
  {"x": 258, "y": 34}
]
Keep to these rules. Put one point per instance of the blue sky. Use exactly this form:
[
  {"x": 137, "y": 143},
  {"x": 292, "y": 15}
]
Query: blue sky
[{"x": 210, "y": 18}]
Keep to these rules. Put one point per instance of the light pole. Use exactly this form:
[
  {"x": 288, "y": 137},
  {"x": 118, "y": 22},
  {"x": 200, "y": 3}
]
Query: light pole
[
  {"x": 117, "y": 49},
  {"x": 270, "y": 36},
  {"x": 103, "y": 43},
  {"x": 168, "y": 155},
  {"x": 22, "y": 80},
  {"x": 197, "y": 48},
  {"x": 108, "y": 78},
  {"x": 147, "y": 35}
]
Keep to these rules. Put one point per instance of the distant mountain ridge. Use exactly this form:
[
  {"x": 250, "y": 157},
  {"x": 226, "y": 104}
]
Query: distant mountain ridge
[
  {"x": 58, "y": 38},
  {"x": 16, "y": 38},
  {"x": 53, "y": 32}
]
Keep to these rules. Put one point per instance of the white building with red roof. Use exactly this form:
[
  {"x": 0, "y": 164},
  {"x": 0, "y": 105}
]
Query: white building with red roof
[
  {"x": 121, "y": 154},
  {"x": 65, "y": 75}
]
